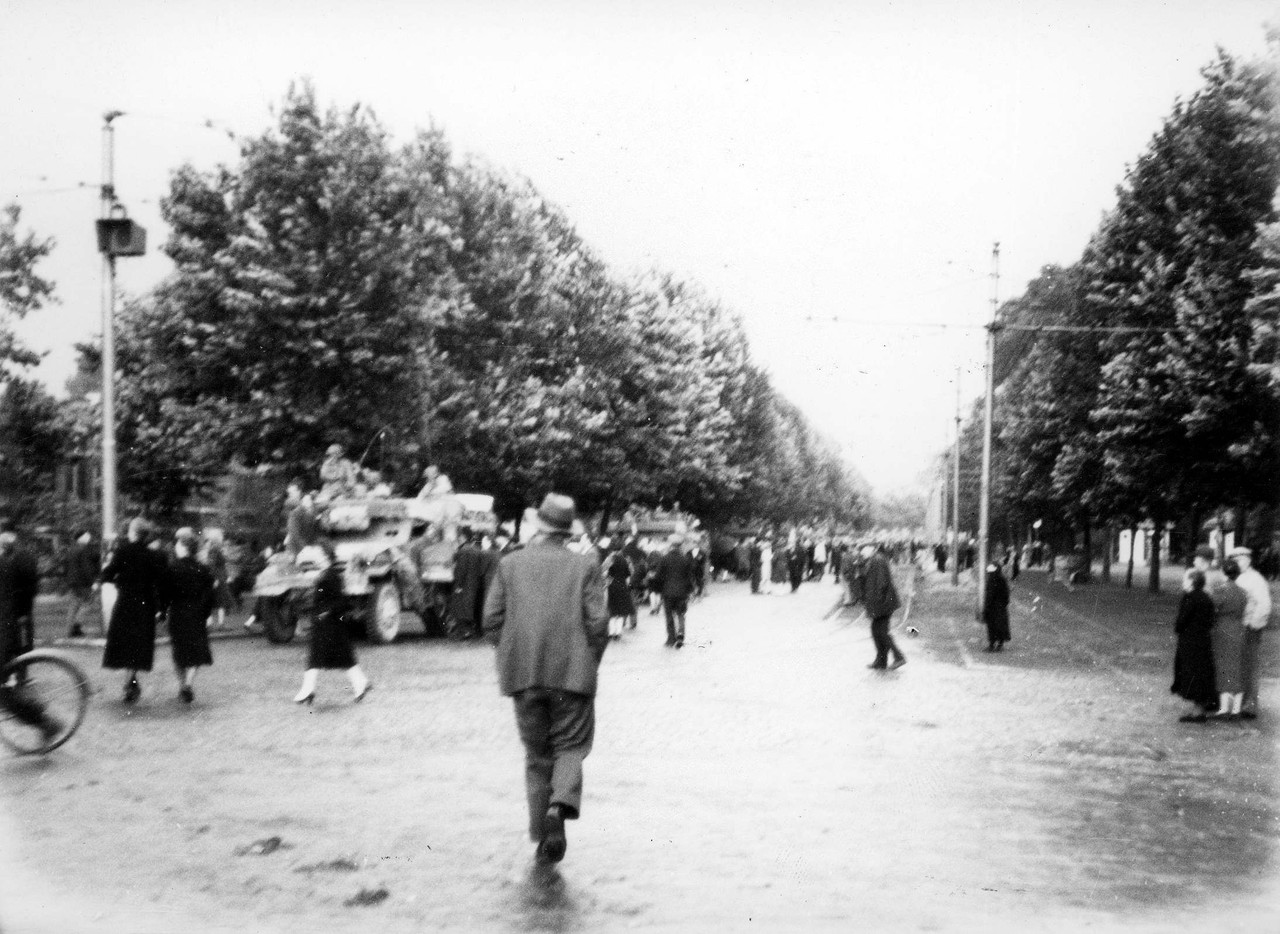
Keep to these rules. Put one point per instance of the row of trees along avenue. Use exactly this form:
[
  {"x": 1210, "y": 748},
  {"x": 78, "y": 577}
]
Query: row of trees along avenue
[
  {"x": 332, "y": 287},
  {"x": 1156, "y": 402}
]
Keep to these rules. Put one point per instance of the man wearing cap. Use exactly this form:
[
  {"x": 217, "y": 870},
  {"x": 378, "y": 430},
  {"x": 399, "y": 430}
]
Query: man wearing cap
[
  {"x": 1257, "y": 614},
  {"x": 546, "y": 612},
  {"x": 337, "y": 474},
  {"x": 675, "y": 580}
]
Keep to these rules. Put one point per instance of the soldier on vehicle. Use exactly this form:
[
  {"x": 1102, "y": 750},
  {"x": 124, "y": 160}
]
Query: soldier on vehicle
[{"x": 434, "y": 483}]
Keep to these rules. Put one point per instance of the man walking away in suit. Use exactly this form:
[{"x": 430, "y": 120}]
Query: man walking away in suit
[
  {"x": 874, "y": 587},
  {"x": 675, "y": 581},
  {"x": 546, "y": 612}
]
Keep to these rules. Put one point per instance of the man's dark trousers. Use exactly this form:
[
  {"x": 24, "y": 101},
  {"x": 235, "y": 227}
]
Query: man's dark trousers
[
  {"x": 675, "y": 610},
  {"x": 883, "y": 641},
  {"x": 557, "y": 729}
]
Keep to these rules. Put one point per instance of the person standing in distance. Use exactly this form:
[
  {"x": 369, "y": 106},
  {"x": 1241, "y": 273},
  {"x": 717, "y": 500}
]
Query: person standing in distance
[
  {"x": 874, "y": 587},
  {"x": 1257, "y": 617},
  {"x": 546, "y": 613},
  {"x": 675, "y": 580}
]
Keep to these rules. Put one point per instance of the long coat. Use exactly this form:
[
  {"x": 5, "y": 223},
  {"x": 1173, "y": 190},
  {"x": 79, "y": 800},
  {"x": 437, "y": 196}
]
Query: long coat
[
  {"x": 621, "y": 603},
  {"x": 995, "y": 607},
  {"x": 189, "y": 598},
  {"x": 1228, "y": 637},
  {"x": 546, "y": 611},
  {"x": 330, "y": 639},
  {"x": 1193, "y": 675},
  {"x": 19, "y": 580},
  {"x": 138, "y": 573}
]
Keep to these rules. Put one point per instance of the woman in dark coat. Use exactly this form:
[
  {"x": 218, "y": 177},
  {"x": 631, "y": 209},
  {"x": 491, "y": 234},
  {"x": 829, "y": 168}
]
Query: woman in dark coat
[
  {"x": 138, "y": 573},
  {"x": 995, "y": 608},
  {"x": 620, "y": 602},
  {"x": 189, "y": 598},
  {"x": 1193, "y": 675},
  {"x": 330, "y": 639}
]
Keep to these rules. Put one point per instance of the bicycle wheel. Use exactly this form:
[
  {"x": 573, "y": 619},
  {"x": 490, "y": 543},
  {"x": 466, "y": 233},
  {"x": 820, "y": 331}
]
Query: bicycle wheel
[{"x": 43, "y": 699}]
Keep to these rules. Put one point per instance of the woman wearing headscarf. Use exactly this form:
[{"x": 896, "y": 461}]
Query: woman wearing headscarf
[
  {"x": 138, "y": 573},
  {"x": 189, "y": 597},
  {"x": 1229, "y": 601},
  {"x": 331, "y": 645},
  {"x": 995, "y": 608},
  {"x": 1193, "y": 675}
]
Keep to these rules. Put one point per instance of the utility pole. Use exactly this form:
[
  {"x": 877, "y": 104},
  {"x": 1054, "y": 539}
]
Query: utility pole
[
  {"x": 955, "y": 495},
  {"x": 117, "y": 236},
  {"x": 984, "y": 501},
  {"x": 109, "y": 521}
]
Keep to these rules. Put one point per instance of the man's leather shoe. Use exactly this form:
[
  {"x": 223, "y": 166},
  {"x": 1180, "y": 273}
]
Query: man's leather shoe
[
  {"x": 551, "y": 848},
  {"x": 877, "y": 666},
  {"x": 898, "y": 662}
]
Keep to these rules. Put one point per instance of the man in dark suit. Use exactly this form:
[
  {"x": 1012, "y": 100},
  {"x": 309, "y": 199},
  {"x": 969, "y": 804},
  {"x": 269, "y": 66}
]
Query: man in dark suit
[
  {"x": 872, "y": 584},
  {"x": 675, "y": 581},
  {"x": 546, "y": 611}
]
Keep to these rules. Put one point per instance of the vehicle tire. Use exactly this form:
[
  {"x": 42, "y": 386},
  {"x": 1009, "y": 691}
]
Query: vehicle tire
[
  {"x": 44, "y": 684},
  {"x": 279, "y": 618},
  {"x": 383, "y": 624}
]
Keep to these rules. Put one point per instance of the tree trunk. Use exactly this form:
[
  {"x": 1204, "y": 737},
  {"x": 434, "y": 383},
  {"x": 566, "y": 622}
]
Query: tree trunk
[
  {"x": 1106, "y": 554},
  {"x": 1157, "y": 532},
  {"x": 1242, "y": 520},
  {"x": 1088, "y": 552},
  {"x": 1197, "y": 520},
  {"x": 1133, "y": 549}
]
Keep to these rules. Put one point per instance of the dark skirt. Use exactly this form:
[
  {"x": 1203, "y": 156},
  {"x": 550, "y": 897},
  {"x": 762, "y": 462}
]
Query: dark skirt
[
  {"x": 1193, "y": 674},
  {"x": 620, "y": 600},
  {"x": 331, "y": 643},
  {"x": 189, "y": 635},
  {"x": 131, "y": 637}
]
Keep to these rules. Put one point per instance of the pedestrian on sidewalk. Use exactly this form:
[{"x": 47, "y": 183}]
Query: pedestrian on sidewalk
[
  {"x": 546, "y": 612},
  {"x": 995, "y": 608},
  {"x": 84, "y": 564},
  {"x": 675, "y": 580},
  {"x": 622, "y": 606},
  {"x": 331, "y": 645},
  {"x": 188, "y": 596},
  {"x": 873, "y": 586},
  {"x": 138, "y": 572},
  {"x": 1193, "y": 675},
  {"x": 1228, "y": 640},
  {"x": 1257, "y": 618}
]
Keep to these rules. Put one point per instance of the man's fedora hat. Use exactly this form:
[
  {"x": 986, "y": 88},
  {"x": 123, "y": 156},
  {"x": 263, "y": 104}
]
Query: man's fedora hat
[{"x": 557, "y": 512}]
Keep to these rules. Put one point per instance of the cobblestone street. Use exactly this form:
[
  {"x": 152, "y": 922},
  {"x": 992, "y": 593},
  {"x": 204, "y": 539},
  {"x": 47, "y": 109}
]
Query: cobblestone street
[{"x": 761, "y": 778}]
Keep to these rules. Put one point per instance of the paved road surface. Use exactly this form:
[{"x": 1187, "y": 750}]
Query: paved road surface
[{"x": 760, "y": 779}]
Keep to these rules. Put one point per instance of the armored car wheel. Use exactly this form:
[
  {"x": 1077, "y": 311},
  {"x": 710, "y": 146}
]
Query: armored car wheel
[
  {"x": 279, "y": 618},
  {"x": 383, "y": 624}
]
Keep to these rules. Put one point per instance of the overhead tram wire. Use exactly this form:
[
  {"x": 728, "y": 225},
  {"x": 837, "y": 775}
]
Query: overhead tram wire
[{"x": 1057, "y": 328}]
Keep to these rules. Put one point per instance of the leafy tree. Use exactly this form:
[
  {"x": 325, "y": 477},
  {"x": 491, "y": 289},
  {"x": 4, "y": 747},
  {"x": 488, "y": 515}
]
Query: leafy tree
[{"x": 298, "y": 310}]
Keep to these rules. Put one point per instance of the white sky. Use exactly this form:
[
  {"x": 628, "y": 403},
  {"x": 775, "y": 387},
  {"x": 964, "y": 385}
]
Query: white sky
[{"x": 804, "y": 161}]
